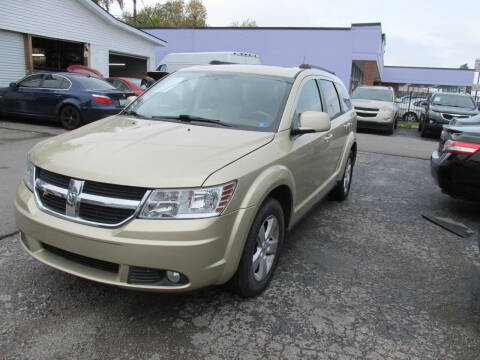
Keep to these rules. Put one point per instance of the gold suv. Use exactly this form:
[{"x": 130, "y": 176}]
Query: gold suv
[{"x": 195, "y": 183}]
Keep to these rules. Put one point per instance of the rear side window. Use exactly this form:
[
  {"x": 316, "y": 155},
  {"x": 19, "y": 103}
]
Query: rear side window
[
  {"x": 32, "y": 81},
  {"x": 344, "y": 97},
  {"x": 330, "y": 98},
  {"x": 309, "y": 100},
  {"x": 54, "y": 82},
  {"x": 93, "y": 83}
]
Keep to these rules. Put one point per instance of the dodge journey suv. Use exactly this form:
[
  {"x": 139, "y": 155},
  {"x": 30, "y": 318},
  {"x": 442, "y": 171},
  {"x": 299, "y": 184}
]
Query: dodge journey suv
[
  {"x": 195, "y": 183},
  {"x": 375, "y": 108}
]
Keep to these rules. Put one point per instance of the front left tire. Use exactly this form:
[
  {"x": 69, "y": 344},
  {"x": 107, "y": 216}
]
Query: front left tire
[{"x": 261, "y": 251}]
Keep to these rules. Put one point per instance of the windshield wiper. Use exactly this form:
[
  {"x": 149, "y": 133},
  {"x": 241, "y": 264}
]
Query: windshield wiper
[
  {"x": 134, "y": 113},
  {"x": 189, "y": 118}
]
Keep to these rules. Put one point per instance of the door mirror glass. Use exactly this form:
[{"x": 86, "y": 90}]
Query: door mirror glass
[
  {"x": 130, "y": 99},
  {"x": 313, "y": 121}
]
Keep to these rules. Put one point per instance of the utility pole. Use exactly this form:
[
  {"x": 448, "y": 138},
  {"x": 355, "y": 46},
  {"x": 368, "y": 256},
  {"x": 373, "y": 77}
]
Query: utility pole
[{"x": 135, "y": 12}]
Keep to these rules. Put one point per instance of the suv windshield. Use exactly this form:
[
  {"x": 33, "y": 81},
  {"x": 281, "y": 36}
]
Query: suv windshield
[
  {"x": 245, "y": 101},
  {"x": 372, "y": 94},
  {"x": 453, "y": 100}
]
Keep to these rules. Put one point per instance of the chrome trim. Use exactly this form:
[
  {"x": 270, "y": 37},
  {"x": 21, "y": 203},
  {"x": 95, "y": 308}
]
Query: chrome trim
[
  {"x": 49, "y": 188},
  {"x": 108, "y": 201},
  {"x": 462, "y": 116},
  {"x": 42, "y": 88},
  {"x": 41, "y": 185}
]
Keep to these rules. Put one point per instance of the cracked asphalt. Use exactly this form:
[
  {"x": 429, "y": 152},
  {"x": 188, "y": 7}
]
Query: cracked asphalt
[{"x": 365, "y": 279}]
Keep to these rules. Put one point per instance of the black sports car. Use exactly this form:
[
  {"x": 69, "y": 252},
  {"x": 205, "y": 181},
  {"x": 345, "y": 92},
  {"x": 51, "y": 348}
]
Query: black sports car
[{"x": 456, "y": 164}]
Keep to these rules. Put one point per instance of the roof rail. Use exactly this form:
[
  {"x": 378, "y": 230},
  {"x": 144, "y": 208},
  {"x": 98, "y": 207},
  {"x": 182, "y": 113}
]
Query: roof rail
[
  {"x": 219, "y": 62},
  {"x": 309, "y": 66}
]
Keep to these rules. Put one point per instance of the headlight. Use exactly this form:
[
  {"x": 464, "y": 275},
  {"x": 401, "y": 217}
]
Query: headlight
[
  {"x": 188, "y": 203},
  {"x": 386, "y": 109},
  {"x": 29, "y": 174}
]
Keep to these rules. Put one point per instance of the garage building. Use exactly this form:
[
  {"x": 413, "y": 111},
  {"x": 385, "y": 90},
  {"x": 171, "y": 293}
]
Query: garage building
[{"x": 54, "y": 34}]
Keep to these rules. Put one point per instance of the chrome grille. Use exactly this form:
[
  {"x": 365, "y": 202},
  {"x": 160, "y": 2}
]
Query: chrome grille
[
  {"x": 448, "y": 116},
  {"x": 85, "y": 201}
]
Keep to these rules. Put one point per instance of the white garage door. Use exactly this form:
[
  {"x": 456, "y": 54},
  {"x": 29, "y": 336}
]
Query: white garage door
[{"x": 12, "y": 60}]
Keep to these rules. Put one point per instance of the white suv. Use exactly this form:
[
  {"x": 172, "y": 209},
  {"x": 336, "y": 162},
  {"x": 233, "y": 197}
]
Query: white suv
[{"x": 375, "y": 107}]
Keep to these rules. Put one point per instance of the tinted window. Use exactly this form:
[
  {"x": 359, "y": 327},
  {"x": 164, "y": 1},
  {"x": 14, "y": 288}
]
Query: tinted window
[
  {"x": 453, "y": 100},
  {"x": 309, "y": 100},
  {"x": 373, "y": 94},
  {"x": 344, "y": 97},
  {"x": 93, "y": 83},
  {"x": 52, "y": 82},
  {"x": 119, "y": 84},
  {"x": 330, "y": 98},
  {"x": 33, "y": 81},
  {"x": 245, "y": 101}
]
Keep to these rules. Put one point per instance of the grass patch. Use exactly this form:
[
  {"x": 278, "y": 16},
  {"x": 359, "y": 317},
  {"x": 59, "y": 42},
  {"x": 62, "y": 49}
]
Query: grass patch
[{"x": 407, "y": 124}]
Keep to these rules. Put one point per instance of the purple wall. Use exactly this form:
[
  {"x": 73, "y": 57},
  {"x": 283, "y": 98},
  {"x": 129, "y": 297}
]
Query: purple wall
[
  {"x": 330, "y": 48},
  {"x": 428, "y": 76}
]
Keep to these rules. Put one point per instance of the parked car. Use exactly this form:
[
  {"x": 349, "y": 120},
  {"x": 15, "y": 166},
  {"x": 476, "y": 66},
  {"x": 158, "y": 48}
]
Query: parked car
[
  {"x": 440, "y": 108},
  {"x": 194, "y": 183},
  {"x": 474, "y": 120},
  {"x": 71, "y": 98},
  {"x": 410, "y": 108},
  {"x": 176, "y": 61},
  {"x": 375, "y": 108},
  {"x": 455, "y": 164},
  {"x": 127, "y": 84}
]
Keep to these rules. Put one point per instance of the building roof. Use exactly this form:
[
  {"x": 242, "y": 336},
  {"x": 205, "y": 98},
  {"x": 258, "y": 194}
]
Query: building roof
[{"x": 113, "y": 20}]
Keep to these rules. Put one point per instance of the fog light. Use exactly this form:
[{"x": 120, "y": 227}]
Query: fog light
[
  {"x": 173, "y": 276},
  {"x": 431, "y": 121}
]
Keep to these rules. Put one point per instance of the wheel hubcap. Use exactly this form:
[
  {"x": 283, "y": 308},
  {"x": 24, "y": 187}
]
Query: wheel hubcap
[
  {"x": 347, "y": 176},
  {"x": 266, "y": 250}
]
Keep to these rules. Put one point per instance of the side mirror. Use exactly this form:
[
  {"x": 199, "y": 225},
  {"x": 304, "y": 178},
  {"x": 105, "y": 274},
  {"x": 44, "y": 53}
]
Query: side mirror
[
  {"x": 313, "y": 121},
  {"x": 423, "y": 103},
  {"x": 13, "y": 84},
  {"x": 130, "y": 99}
]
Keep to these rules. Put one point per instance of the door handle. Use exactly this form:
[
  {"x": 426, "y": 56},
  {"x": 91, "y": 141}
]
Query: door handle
[{"x": 328, "y": 137}]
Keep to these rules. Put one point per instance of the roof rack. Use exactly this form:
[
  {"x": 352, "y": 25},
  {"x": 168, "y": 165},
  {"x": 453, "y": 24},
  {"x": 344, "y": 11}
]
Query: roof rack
[
  {"x": 310, "y": 66},
  {"x": 219, "y": 62}
]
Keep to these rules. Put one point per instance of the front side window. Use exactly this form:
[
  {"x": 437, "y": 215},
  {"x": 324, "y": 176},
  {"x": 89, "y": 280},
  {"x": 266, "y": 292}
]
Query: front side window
[
  {"x": 33, "y": 81},
  {"x": 330, "y": 98},
  {"x": 245, "y": 101},
  {"x": 373, "y": 94},
  {"x": 309, "y": 100}
]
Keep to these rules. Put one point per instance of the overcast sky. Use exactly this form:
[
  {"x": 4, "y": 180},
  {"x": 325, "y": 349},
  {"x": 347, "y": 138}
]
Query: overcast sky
[{"x": 438, "y": 33}]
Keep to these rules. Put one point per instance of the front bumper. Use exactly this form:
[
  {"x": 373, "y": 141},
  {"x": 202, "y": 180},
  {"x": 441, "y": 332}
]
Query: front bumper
[
  {"x": 205, "y": 251},
  {"x": 374, "y": 125}
]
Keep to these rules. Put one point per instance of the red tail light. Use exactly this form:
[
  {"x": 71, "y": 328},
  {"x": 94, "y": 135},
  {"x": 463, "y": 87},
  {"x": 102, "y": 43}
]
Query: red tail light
[
  {"x": 102, "y": 99},
  {"x": 459, "y": 147}
]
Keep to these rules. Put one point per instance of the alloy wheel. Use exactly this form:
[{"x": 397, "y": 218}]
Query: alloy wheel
[
  {"x": 266, "y": 249},
  {"x": 348, "y": 175}
]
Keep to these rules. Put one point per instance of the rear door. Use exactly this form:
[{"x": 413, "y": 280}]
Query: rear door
[
  {"x": 54, "y": 90},
  {"x": 339, "y": 120}
]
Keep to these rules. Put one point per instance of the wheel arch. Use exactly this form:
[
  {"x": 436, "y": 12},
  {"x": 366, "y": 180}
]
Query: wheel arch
[{"x": 69, "y": 101}]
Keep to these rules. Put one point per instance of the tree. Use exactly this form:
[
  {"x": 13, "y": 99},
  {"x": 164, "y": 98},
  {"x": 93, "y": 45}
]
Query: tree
[
  {"x": 464, "y": 66},
  {"x": 173, "y": 13},
  {"x": 245, "y": 23},
  {"x": 106, "y": 3}
]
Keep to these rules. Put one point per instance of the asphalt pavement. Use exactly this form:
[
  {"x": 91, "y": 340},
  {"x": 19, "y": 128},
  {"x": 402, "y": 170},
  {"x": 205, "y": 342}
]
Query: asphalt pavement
[{"x": 365, "y": 279}]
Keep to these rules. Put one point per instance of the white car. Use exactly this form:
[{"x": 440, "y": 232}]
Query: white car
[
  {"x": 375, "y": 108},
  {"x": 411, "y": 109}
]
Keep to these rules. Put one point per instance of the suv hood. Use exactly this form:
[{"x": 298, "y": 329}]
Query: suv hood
[
  {"x": 147, "y": 153},
  {"x": 372, "y": 104},
  {"x": 454, "y": 110}
]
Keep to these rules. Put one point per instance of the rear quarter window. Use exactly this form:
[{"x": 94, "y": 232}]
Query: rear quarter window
[{"x": 93, "y": 83}]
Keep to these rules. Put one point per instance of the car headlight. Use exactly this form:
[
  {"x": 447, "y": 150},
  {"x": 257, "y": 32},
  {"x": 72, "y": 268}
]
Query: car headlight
[
  {"x": 386, "y": 109},
  {"x": 432, "y": 112},
  {"x": 188, "y": 203},
  {"x": 28, "y": 177}
]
